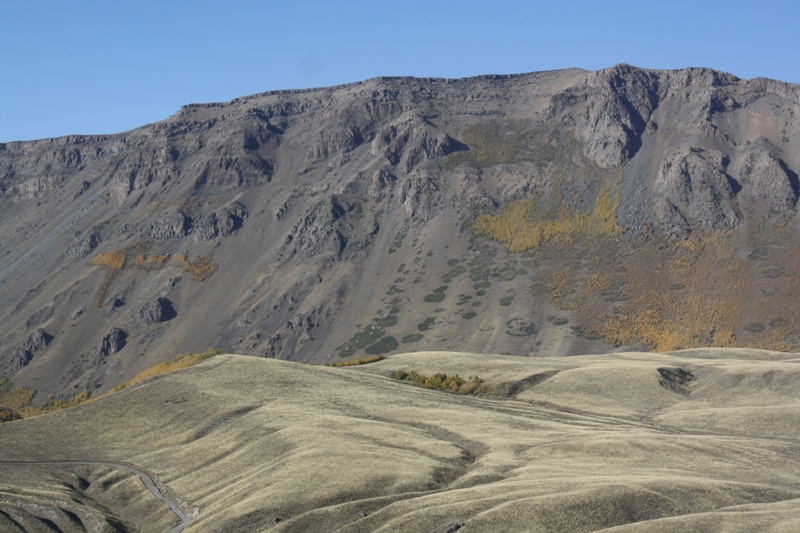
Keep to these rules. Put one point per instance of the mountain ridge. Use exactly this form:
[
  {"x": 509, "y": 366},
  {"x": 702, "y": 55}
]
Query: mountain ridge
[{"x": 316, "y": 223}]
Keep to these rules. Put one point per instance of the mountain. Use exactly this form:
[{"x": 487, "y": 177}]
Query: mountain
[
  {"x": 695, "y": 440},
  {"x": 543, "y": 214}
]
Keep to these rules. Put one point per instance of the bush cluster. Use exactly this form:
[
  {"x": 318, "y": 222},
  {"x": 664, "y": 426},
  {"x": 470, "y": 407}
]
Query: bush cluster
[
  {"x": 359, "y": 361},
  {"x": 454, "y": 383},
  {"x": 8, "y": 415},
  {"x": 201, "y": 270},
  {"x": 55, "y": 405},
  {"x": 672, "y": 295},
  {"x": 117, "y": 260},
  {"x": 520, "y": 228},
  {"x": 16, "y": 398}
]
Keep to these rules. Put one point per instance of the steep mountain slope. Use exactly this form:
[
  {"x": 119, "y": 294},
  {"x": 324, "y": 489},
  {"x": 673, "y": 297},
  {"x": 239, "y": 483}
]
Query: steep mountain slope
[
  {"x": 686, "y": 441},
  {"x": 551, "y": 213}
]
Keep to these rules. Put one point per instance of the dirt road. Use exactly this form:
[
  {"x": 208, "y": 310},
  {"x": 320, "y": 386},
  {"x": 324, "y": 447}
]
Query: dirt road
[{"x": 148, "y": 482}]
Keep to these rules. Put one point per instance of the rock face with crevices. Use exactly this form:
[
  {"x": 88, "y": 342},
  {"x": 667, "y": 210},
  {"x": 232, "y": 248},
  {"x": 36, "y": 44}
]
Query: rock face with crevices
[
  {"x": 82, "y": 246},
  {"x": 765, "y": 178},
  {"x": 23, "y": 354},
  {"x": 694, "y": 191},
  {"x": 112, "y": 342},
  {"x": 156, "y": 311},
  {"x": 172, "y": 226},
  {"x": 221, "y": 223}
]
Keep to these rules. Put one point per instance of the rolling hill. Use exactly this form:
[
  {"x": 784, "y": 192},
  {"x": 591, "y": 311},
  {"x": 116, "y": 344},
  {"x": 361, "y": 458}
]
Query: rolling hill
[{"x": 701, "y": 439}]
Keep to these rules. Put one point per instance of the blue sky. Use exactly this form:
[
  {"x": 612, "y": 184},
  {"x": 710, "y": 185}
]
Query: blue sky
[{"x": 90, "y": 66}]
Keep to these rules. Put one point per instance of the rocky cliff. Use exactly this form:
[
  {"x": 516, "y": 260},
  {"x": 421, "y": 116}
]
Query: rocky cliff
[{"x": 318, "y": 224}]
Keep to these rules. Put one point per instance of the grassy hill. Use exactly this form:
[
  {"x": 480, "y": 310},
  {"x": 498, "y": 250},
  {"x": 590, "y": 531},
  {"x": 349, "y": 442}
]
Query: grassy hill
[{"x": 679, "y": 441}]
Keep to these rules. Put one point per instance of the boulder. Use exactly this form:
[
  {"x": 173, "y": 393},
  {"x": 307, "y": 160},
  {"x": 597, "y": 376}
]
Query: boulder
[
  {"x": 112, "y": 343},
  {"x": 23, "y": 354},
  {"x": 156, "y": 311}
]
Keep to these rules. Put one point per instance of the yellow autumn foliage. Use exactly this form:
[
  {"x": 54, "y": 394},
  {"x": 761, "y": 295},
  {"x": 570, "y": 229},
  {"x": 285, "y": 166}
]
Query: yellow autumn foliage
[
  {"x": 201, "y": 269},
  {"x": 695, "y": 293},
  {"x": 115, "y": 259},
  {"x": 518, "y": 227},
  {"x": 184, "y": 360},
  {"x": 15, "y": 398}
]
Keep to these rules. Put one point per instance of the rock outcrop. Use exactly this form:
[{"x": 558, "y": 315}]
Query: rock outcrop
[
  {"x": 693, "y": 190},
  {"x": 317, "y": 233},
  {"x": 156, "y": 311},
  {"x": 173, "y": 225},
  {"x": 23, "y": 354},
  {"x": 221, "y": 223},
  {"x": 82, "y": 246},
  {"x": 765, "y": 178},
  {"x": 112, "y": 342}
]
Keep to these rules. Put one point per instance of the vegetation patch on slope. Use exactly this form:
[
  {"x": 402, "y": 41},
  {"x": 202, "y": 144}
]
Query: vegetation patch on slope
[
  {"x": 454, "y": 383},
  {"x": 359, "y": 361},
  {"x": 525, "y": 224},
  {"x": 14, "y": 398},
  {"x": 495, "y": 143},
  {"x": 184, "y": 360},
  {"x": 17, "y": 401},
  {"x": 201, "y": 269},
  {"x": 136, "y": 257},
  {"x": 705, "y": 291},
  {"x": 369, "y": 335}
]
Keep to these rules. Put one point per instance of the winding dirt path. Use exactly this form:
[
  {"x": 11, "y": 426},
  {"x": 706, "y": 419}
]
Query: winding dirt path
[{"x": 148, "y": 482}]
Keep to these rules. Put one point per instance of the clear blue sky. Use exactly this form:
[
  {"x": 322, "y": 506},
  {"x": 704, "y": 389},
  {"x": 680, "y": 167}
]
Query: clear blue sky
[{"x": 90, "y": 66}]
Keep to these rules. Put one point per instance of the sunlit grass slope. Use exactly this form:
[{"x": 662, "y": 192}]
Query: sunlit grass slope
[{"x": 633, "y": 440}]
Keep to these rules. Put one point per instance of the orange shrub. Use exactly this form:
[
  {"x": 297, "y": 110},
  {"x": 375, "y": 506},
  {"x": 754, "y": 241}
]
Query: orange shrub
[
  {"x": 115, "y": 259},
  {"x": 201, "y": 269}
]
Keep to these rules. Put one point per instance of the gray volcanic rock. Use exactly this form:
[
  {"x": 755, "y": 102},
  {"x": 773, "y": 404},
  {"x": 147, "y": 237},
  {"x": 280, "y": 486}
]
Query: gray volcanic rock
[
  {"x": 171, "y": 226},
  {"x": 765, "y": 178},
  {"x": 221, "y": 223},
  {"x": 316, "y": 232},
  {"x": 420, "y": 195},
  {"x": 410, "y": 140},
  {"x": 155, "y": 311},
  {"x": 382, "y": 180},
  {"x": 83, "y": 245},
  {"x": 112, "y": 342},
  {"x": 693, "y": 190},
  {"x": 22, "y": 355}
]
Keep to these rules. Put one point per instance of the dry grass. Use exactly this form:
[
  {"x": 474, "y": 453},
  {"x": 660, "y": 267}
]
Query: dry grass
[
  {"x": 695, "y": 293},
  {"x": 359, "y": 361},
  {"x": 150, "y": 262},
  {"x": 597, "y": 443},
  {"x": 20, "y": 398},
  {"x": 114, "y": 260},
  {"x": 201, "y": 269},
  {"x": 136, "y": 257},
  {"x": 15, "y": 398},
  {"x": 55, "y": 405},
  {"x": 514, "y": 141},
  {"x": 518, "y": 228},
  {"x": 184, "y": 360}
]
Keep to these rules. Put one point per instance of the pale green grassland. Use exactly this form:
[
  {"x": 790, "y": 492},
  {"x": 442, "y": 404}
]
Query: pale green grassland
[{"x": 586, "y": 443}]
